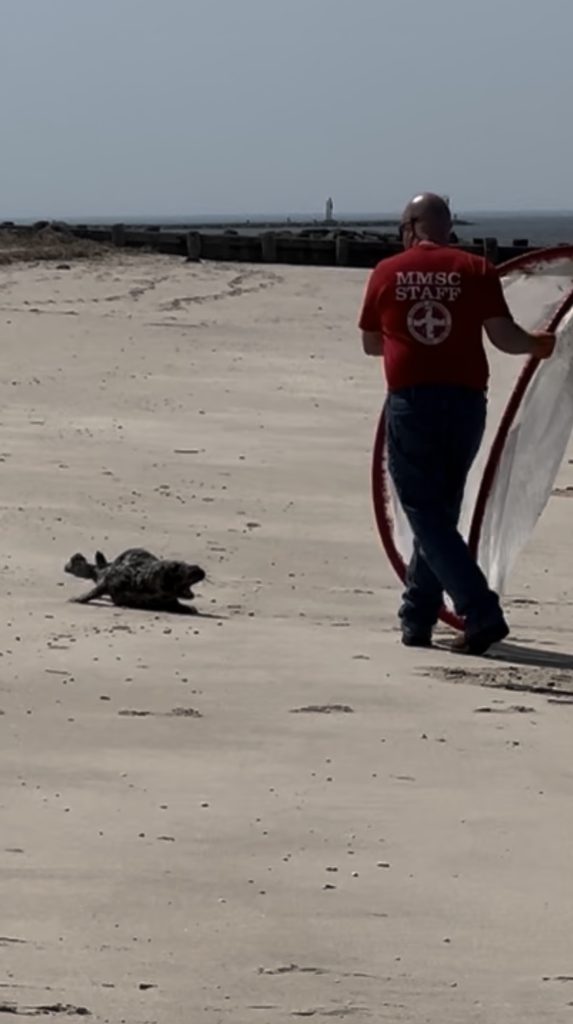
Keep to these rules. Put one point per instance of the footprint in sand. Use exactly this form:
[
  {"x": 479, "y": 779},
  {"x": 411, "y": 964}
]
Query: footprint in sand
[
  {"x": 174, "y": 713},
  {"x": 323, "y": 709}
]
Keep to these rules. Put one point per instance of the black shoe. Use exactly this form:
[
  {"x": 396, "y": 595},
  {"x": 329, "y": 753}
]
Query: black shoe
[
  {"x": 480, "y": 642},
  {"x": 416, "y": 638}
]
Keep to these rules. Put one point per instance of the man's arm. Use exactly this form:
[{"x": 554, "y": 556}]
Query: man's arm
[
  {"x": 369, "y": 322},
  {"x": 509, "y": 337},
  {"x": 372, "y": 343},
  {"x": 501, "y": 328}
]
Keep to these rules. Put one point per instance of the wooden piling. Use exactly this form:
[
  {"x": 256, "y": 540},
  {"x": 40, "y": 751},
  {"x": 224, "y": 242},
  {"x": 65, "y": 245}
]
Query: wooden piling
[
  {"x": 342, "y": 250},
  {"x": 118, "y": 234},
  {"x": 193, "y": 244},
  {"x": 269, "y": 247},
  {"x": 491, "y": 247}
]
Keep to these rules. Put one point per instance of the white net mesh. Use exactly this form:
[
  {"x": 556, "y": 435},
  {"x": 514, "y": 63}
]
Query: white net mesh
[{"x": 530, "y": 461}]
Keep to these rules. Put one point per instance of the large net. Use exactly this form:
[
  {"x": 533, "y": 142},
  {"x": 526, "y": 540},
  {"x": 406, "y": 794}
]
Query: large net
[{"x": 530, "y": 421}]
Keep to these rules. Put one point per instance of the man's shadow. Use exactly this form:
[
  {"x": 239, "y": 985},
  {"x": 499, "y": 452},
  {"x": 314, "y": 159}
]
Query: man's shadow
[
  {"x": 535, "y": 657},
  {"x": 510, "y": 653}
]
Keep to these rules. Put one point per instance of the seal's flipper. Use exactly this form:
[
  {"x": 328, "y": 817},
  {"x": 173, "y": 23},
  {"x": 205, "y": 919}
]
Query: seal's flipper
[
  {"x": 101, "y": 561},
  {"x": 91, "y": 595}
]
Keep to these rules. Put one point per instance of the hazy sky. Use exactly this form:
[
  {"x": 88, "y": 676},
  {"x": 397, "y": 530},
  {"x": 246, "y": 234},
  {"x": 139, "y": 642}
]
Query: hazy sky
[{"x": 119, "y": 107}]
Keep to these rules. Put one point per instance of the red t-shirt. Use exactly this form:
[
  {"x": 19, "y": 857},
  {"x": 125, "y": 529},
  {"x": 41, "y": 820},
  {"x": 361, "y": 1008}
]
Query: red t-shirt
[{"x": 430, "y": 303}]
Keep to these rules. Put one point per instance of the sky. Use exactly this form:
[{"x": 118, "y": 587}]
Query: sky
[{"x": 202, "y": 107}]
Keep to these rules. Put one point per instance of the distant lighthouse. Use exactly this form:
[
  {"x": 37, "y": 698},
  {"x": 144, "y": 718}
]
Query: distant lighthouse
[{"x": 329, "y": 211}]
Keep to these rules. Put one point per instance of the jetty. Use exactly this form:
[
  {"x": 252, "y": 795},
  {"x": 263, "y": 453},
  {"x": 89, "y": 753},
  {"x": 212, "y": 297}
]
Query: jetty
[{"x": 315, "y": 243}]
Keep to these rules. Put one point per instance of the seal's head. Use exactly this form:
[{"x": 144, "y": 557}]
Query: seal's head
[{"x": 78, "y": 565}]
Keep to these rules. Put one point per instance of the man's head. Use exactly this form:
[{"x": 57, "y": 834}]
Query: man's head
[{"x": 426, "y": 218}]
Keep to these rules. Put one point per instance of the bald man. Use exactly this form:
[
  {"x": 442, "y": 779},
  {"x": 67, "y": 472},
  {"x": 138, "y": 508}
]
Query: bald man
[{"x": 424, "y": 311}]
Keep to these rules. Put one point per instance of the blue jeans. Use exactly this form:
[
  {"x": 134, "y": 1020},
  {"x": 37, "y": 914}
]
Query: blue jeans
[{"x": 434, "y": 434}]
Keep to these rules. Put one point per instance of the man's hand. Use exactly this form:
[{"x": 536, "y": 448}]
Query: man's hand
[
  {"x": 510, "y": 338},
  {"x": 543, "y": 345},
  {"x": 372, "y": 343}
]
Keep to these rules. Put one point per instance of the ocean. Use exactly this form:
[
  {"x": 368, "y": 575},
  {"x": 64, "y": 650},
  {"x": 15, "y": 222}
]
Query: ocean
[{"x": 539, "y": 228}]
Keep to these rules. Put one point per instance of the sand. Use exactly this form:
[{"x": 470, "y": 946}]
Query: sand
[{"x": 400, "y": 850}]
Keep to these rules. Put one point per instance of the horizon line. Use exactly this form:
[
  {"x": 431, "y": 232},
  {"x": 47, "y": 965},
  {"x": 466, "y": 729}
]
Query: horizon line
[{"x": 296, "y": 215}]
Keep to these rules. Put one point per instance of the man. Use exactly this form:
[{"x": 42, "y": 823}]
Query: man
[{"x": 424, "y": 311}]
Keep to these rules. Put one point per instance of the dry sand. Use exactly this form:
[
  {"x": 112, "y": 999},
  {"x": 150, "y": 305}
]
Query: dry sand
[{"x": 405, "y": 859}]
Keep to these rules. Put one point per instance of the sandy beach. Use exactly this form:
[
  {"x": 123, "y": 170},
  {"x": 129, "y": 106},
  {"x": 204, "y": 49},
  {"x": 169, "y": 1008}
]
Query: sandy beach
[{"x": 271, "y": 811}]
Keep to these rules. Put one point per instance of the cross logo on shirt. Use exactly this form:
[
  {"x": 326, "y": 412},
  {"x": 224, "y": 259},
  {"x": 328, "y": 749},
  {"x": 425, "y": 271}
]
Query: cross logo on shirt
[{"x": 429, "y": 322}]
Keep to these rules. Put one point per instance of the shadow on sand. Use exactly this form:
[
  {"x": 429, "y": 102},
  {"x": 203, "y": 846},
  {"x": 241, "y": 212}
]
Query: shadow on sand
[{"x": 534, "y": 657}]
